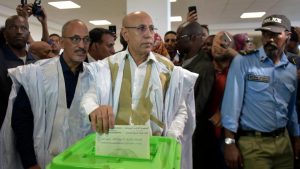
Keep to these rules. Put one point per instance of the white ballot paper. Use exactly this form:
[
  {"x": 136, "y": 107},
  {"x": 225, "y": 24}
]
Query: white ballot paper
[{"x": 124, "y": 141}]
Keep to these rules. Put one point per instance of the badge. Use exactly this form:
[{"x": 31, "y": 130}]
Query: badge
[{"x": 258, "y": 78}]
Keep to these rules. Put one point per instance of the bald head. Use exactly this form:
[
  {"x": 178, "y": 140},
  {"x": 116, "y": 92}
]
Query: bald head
[
  {"x": 16, "y": 32},
  {"x": 41, "y": 50},
  {"x": 190, "y": 28},
  {"x": 70, "y": 24},
  {"x": 134, "y": 17},
  {"x": 138, "y": 31},
  {"x": 189, "y": 38},
  {"x": 75, "y": 42},
  {"x": 10, "y": 20}
]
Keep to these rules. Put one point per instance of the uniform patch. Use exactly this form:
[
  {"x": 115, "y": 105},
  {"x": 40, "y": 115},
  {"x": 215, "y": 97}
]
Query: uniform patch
[{"x": 258, "y": 78}]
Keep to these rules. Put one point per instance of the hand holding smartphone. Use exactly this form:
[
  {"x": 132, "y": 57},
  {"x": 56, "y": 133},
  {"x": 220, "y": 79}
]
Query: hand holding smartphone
[
  {"x": 226, "y": 40},
  {"x": 192, "y": 8},
  {"x": 112, "y": 28},
  {"x": 192, "y": 15},
  {"x": 23, "y": 2}
]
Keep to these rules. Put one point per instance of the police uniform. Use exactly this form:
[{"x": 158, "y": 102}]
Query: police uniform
[{"x": 258, "y": 104}]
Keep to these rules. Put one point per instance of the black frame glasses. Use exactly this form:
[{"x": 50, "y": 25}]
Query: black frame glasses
[
  {"x": 179, "y": 38},
  {"x": 77, "y": 39},
  {"x": 143, "y": 28}
]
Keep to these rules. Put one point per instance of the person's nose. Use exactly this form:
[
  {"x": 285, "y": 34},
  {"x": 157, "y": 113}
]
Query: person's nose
[
  {"x": 112, "y": 51},
  {"x": 81, "y": 44}
]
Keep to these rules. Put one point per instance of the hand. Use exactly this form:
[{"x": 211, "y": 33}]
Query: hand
[
  {"x": 35, "y": 167},
  {"x": 25, "y": 11},
  {"x": 216, "y": 119},
  {"x": 218, "y": 48},
  {"x": 42, "y": 18},
  {"x": 174, "y": 135},
  {"x": 192, "y": 17},
  {"x": 232, "y": 156},
  {"x": 102, "y": 119}
]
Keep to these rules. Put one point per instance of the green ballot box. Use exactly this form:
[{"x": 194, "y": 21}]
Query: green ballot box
[{"x": 165, "y": 153}]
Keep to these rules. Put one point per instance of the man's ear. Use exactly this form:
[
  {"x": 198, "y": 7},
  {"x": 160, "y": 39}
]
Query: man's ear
[
  {"x": 61, "y": 41},
  {"x": 124, "y": 34},
  {"x": 288, "y": 38}
]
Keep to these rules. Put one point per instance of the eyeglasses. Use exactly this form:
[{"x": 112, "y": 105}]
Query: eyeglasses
[
  {"x": 76, "y": 39},
  {"x": 182, "y": 37},
  {"x": 170, "y": 40},
  {"x": 143, "y": 28},
  {"x": 178, "y": 38}
]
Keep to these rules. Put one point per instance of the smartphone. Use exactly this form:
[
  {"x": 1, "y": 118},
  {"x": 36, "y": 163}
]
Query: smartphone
[
  {"x": 192, "y": 8},
  {"x": 113, "y": 29},
  {"x": 23, "y": 2},
  {"x": 226, "y": 40}
]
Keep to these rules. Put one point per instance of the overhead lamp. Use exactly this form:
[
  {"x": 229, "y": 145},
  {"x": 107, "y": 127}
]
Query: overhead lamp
[
  {"x": 172, "y": 0},
  {"x": 253, "y": 14},
  {"x": 100, "y": 22},
  {"x": 64, "y": 4}
]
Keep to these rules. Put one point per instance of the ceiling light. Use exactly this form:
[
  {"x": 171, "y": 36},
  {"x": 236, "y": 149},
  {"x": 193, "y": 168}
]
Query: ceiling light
[
  {"x": 253, "y": 14},
  {"x": 172, "y": 0},
  {"x": 100, "y": 22},
  {"x": 64, "y": 4},
  {"x": 176, "y": 19}
]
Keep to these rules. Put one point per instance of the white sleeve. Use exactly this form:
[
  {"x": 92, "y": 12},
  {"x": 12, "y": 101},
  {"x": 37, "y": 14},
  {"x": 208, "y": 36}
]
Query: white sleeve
[
  {"x": 178, "y": 124},
  {"x": 98, "y": 81},
  {"x": 90, "y": 101}
]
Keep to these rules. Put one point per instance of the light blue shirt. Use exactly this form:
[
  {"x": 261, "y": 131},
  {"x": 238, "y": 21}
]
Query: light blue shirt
[{"x": 260, "y": 95}]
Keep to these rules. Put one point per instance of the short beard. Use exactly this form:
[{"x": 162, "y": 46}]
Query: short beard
[
  {"x": 18, "y": 46},
  {"x": 271, "y": 49}
]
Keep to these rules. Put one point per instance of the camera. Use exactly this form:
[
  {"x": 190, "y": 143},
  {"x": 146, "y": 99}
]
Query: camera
[{"x": 37, "y": 8}]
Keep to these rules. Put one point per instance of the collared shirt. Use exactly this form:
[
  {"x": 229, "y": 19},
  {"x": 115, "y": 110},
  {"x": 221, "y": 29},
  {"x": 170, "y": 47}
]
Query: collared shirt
[
  {"x": 260, "y": 95},
  {"x": 138, "y": 74},
  {"x": 188, "y": 61},
  {"x": 70, "y": 79}
]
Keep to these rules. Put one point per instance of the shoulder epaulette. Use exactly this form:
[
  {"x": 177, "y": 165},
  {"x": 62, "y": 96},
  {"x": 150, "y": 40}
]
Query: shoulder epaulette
[
  {"x": 243, "y": 52},
  {"x": 292, "y": 60}
]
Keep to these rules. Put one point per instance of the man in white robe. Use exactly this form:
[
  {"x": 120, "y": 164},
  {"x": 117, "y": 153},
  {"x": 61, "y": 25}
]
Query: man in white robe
[
  {"x": 144, "y": 88},
  {"x": 53, "y": 89}
]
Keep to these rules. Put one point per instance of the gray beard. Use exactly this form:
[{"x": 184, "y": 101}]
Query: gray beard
[
  {"x": 271, "y": 53},
  {"x": 271, "y": 50}
]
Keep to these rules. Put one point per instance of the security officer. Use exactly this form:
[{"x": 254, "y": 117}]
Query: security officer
[{"x": 259, "y": 103}]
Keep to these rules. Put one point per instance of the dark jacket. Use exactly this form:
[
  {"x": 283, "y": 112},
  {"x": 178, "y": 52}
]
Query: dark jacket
[
  {"x": 8, "y": 60},
  {"x": 204, "y": 141}
]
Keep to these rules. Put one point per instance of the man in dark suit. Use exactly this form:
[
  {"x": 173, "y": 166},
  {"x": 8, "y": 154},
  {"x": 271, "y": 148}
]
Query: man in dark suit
[
  {"x": 12, "y": 54},
  {"x": 189, "y": 36}
]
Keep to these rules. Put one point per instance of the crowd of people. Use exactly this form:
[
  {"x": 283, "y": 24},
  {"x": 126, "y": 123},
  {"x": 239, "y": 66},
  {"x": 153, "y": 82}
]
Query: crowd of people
[{"x": 227, "y": 102}]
